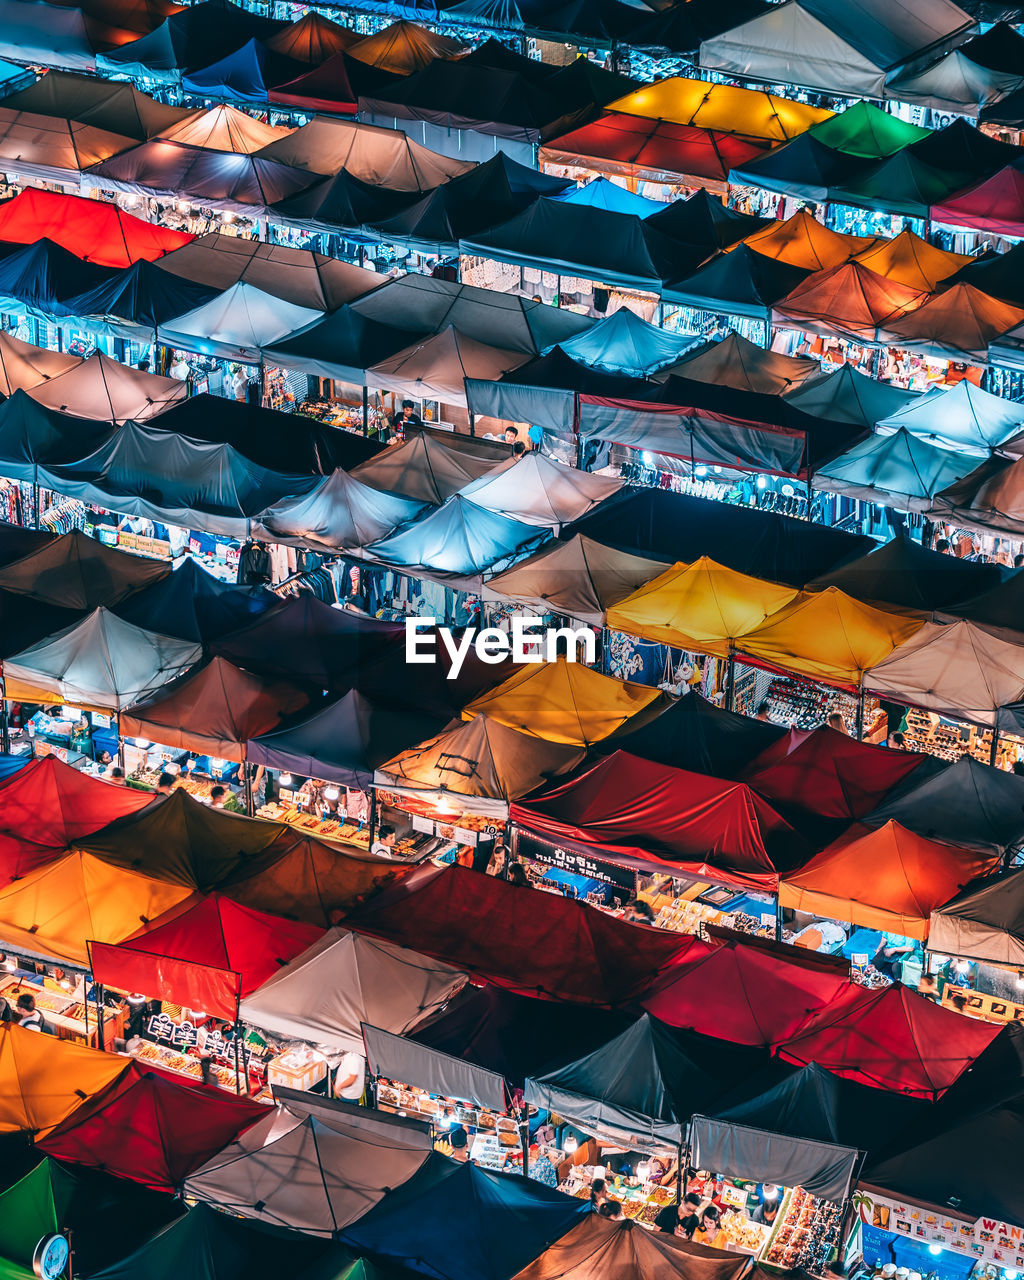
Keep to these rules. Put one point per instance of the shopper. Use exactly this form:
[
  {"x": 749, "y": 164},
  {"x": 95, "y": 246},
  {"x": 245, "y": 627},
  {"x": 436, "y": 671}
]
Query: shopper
[
  {"x": 835, "y": 721},
  {"x": 116, "y": 776},
  {"x": 350, "y": 1077},
  {"x": 165, "y": 784},
  {"x": 28, "y": 1015},
  {"x": 218, "y": 795}
]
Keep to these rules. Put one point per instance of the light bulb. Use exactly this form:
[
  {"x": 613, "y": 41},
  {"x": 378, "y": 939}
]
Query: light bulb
[
  {"x": 571, "y": 1145},
  {"x": 286, "y": 779},
  {"x": 934, "y": 1250},
  {"x": 331, "y": 793},
  {"x": 10, "y": 964}
]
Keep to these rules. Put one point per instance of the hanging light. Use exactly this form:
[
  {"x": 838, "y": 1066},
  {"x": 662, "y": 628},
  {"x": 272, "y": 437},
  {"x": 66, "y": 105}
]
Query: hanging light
[
  {"x": 331, "y": 793},
  {"x": 961, "y": 966},
  {"x": 444, "y": 805},
  {"x": 10, "y": 964},
  {"x": 934, "y": 1250},
  {"x": 285, "y": 779},
  {"x": 172, "y": 768},
  {"x": 570, "y": 1146},
  {"x": 643, "y": 1170}
]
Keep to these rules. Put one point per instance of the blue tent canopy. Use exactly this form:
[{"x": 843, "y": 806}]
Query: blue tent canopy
[
  {"x": 900, "y": 470},
  {"x": 458, "y": 538},
  {"x": 11, "y": 764},
  {"x": 245, "y": 75},
  {"x": 602, "y": 194},
  {"x": 459, "y": 1222},
  {"x": 192, "y": 604},
  {"x": 623, "y": 343},
  {"x": 139, "y": 298}
]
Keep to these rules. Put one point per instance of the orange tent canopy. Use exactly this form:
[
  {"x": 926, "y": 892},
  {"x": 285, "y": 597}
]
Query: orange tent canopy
[
  {"x": 890, "y": 879},
  {"x": 909, "y": 260},
  {"x": 43, "y": 1079},
  {"x": 850, "y": 300},
  {"x": 960, "y": 322},
  {"x": 802, "y": 241}
]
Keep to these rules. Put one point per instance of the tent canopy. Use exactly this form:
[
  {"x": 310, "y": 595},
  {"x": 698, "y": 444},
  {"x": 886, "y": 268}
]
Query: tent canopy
[
  {"x": 134, "y": 303},
  {"x": 623, "y": 343},
  {"x": 909, "y": 260},
  {"x": 45, "y": 1079},
  {"x": 987, "y": 498},
  {"x": 194, "y": 605},
  {"x": 539, "y": 491},
  {"x": 204, "y": 954},
  {"x": 223, "y": 128},
  {"x": 851, "y": 300},
  {"x": 961, "y": 322},
  {"x": 117, "y": 107},
  {"x": 344, "y": 980},
  {"x": 965, "y": 417},
  {"x": 600, "y": 193},
  {"x": 889, "y": 879},
  {"x": 802, "y": 241},
  {"x": 750, "y": 112},
  {"x": 736, "y": 362},
  {"x": 849, "y": 396},
  {"x": 23, "y": 366},
  {"x": 991, "y": 205},
  {"x": 246, "y": 75},
  {"x": 312, "y": 39},
  {"x": 340, "y": 512},
  {"x": 403, "y": 48},
  {"x": 101, "y": 389},
  {"x": 437, "y": 367},
  {"x": 563, "y": 702},
  {"x": 899, "y": 470},
  {"x": 41, "y": 278},
  {"x": 903, "y": 572},
  {"x": 236, "y": 324},
  {"x": 425, "y": 468},
  {"x": 557, "y": 949},
  {"x": 739, "y": 282},
  {"x": 984, "y": 923}
]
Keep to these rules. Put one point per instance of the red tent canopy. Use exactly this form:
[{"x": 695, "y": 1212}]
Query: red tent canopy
[
  {"x": 537, "y": 944},
  {"x": 748, "y": 993},
  {"x": 47, "y": 805},
  {"x": 324, "y": 88},
  {"x": 828, "y": 772},
  {"x": 205, "y": 954},
  {"x": 995, "y": 205},
  {"x": 151, "y": 1128},
  {"x": 627, "y": 801},
  {"x": 892, "y": 1039},
  {"x": 90, "y": 229}
]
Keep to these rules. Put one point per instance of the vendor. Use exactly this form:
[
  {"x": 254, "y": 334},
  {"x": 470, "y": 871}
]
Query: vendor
[
  {"x": 350, "y": 1077},
  {"x": 384, "y": 845},
  {"x": 400, "y": 422},
  {"x": 892, "y": 951},
  {"x": 768, "y": 1208}
]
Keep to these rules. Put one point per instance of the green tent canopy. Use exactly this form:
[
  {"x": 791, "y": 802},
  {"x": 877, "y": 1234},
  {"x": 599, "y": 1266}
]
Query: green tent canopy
[{"x": 864, "y": 130}]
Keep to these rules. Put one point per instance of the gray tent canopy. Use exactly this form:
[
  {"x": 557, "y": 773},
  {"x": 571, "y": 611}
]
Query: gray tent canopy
[{"x": 405, "y": 1061}]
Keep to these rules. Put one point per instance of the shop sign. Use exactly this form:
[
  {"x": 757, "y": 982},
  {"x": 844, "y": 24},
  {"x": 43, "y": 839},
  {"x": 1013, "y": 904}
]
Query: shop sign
[
  {"x": 582, "y": 865},
  {"x": 987, "y": 1239},
  {"x": 163, "y": 1027},
  {"x": 50, "y": 1259}
]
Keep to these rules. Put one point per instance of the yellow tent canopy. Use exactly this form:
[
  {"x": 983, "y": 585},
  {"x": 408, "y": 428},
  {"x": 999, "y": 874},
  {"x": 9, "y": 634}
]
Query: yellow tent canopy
[
  {"x": 801, "y": 241},
  {"x": 829, "y": 636},
  {"x": 52, "y": 911},
  {"x": 563, "y": 702},
  {"x": 909, "y": 260},
  {"x": 725, "y": 107},
  {"x": 42, "y": 1079},
  {"x": 702, "y": 606}
]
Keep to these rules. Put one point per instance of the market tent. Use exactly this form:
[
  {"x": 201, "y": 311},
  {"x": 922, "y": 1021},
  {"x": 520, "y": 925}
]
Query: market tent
[
  {"x": 537, "y": 490},
  {"x": 117, "y": 107},
  {"x": 997, "y": 274},
  {"x": 213, "y": 711},
  {"x": 555, "y": 949},
  {"x": 692, "y": 733},
  {"x": 340, "y": 512},
  {"x": 735, "y": 361},
  {"x": 344, "y": 980},
  {"x": 192, "y": 604},
  {"x": 904, "y": 184},
  {"x": 829, "y": 772},
  {"x": 831, "y": 637},
  {"x": 343, "y": 346},
  {"x": 703, "y": 223},
  {"x": 959, "y": 669},
  {"x": 223, "y": 128},
  {"x": 101, "y": 389},
  {"x": 889, "y": 879},
  {"x": 136, "y": 301},
  {"x": 428, "y": 305},
  {"x": 702, "y": 606},
  {"x": 214, "y": 1246},
  {"x": 804, "y": 169},
  {"x": 965, "y": 418},
  {"x": 380, "y": 157},
  {"x": 909, "y": 260},
  {"x": 339, "y": 203},
  {"x": 191, "y": 38},
  {"x": 52, "y": 35},
  {"x": 481, "y": 759},
  {"x": 412, "y": 1225},
  {"x": 991, "y": 205},
  {"x": 563, "y": 702},
  {"x": 752, "y": 993},
  {"x": 636, "y": 808},
  {"x": 891, "y": 1039},
  {"x": 23, "y": 366},
  {"x": 39, "y": 278},
  {"x": 623, "y": 343},
  {"x": 956, "y": 82},
  {"x": 847, "y": 395},
  {"x": 344, "y": 742},
  {"x": 903, "y": 572},
  {"x": 845, "y": 51},
  {"x": 403, "y": 48},
  {"x": 78, "y": 572},
  {"x": 959, "y": 323},
  {"x": 680, "y": 28},
  {"x": 640, "y": 1089},
  {"x": 236, "y": 325},
  {"x": 47, "y": 805},
  {"x": 312, "y": 39},
  {"x": 230, "y": 182},
  {"x": 53, "y": 910},
  {"x": 459, "y": 539},
  {"x": 246, "y": 75},
  {"x": 53, "y": 150},
  {"x": 802, "y": 241},
  {"x": 185, "y": 843},
  {"x": 993, "y": 601},
  {"x": 151, "y": 1128},
  {"x": 437, "y": 367},
  {"x": 984, "y": 923},
  {"x": 987, "y": 498},
  {"x": 206, "y": 953},
  {"x": 750, "y": 112},
  {"x": 314, "y": 1170},
  {"x": 304, "y": 640},
  {"x": 333, "y": 85},
  {"x": 899, "y": 470},
  {"x": 580, "y": 579},
  {"x": 851, "y": 301},
  {"x": 16, "y": 541},
  {"x": 739, "y": 282},
  {"x": 608, "y": 1247},
  {"x": 297, "y": 276},
  {"x": 44, "y": 1079},
  {"x": 600, "y": 193},
  {"x": 424, "y": 468}
]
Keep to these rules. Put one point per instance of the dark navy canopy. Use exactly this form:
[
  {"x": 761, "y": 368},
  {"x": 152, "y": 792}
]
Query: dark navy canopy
[{"x": 194, "y": 605}]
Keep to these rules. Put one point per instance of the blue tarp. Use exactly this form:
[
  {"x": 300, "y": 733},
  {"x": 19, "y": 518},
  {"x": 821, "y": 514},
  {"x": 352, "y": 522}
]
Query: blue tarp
[
  {"x": 457, "y": 538},
  {"x": 245, "y": 75},
  {"x": 11, "y": 764},
  {"x": 623, "y": 343},
  {"x": 194, "y": 605},
  {"x": 459, "y": 1222},
  {"x": 602, "y": 194}
]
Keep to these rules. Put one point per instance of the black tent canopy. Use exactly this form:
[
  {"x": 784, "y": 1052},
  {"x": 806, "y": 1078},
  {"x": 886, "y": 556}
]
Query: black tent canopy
[
  {"x": 902, "y": 572},
  {"x": 192, "y": 604}
]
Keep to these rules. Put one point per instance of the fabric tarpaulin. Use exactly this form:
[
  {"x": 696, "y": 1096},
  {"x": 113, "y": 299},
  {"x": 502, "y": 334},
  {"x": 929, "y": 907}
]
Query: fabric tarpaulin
[{"x": 397, "y": 1058}]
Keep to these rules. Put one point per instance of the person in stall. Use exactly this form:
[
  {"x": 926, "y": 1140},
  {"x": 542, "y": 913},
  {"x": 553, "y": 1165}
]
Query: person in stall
[
  {"x": 403, "y": 421},
  {"x": 165, "y": 784},
  {"x": 835, "y": 721},
  {"x": 638, "y": 912},
  {"x": 218, "y": 795},
  {"x": 892, "y": 951},
  {"x": 350, "y": 1077},
  {"x": 384, "y": 845},
  {"x": 767, "y": 1209}
]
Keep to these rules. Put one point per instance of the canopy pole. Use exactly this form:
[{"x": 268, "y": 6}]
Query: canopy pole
[
  {"x": 100, "y": 1035},
  {"x": 860, "y": 712},
  {"x": 373, "y": 815},
  {"x": 472, "y": 423},
  {"x": 250, "y": 806},
  {"x": 238, "y": 1042},
  {"x": 5, "y": 725},
  {"x": 730, "y": 679},
  {"x": 366, "y": 411},
  {"x": 993, "y": 754},
  {"x": 778, "y": 917},
  {"x": 120, "y": 745},
  {"x": 35, "y": 504}
]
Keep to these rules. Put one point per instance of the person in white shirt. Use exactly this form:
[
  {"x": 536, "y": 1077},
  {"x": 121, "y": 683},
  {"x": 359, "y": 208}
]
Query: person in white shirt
[
  {"x": 384, "y": 845},
  {"x": 350, "y": 1077}
]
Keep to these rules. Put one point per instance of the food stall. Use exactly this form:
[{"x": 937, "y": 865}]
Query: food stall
[
  {"x": 326, "y": 810},
  {"x": 64, "y": 998}
]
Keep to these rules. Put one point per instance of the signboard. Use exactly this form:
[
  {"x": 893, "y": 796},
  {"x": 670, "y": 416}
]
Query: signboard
[{"x": 986, "y": 1240}]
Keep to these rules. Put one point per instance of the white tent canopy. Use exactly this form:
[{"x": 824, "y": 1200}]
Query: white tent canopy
[
  {"x": 237, "y": 324},
  {"x": 312, "y": 1168},
  {"x": 538, "y": 490},
  {"x": 437, "y": 367},
  {"x": 339, "y": 513},
  {"x": 325, "y": 994},
  {"x": 99, "y": 663},
  {"x": 106, "y": 391},
  {"x": 425, "y": 468},
  {"x": 964, "y": 418}
]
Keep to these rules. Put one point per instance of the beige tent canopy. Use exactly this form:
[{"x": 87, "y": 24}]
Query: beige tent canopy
[
  {"x": 381, "y": 157},
  {"x": 313, "y": 39},
  {"x": 426, "y": 468},
  {"x": 106, "y": 391},
  {"x": 223, "y": 128},
  {"x": 404, "y": 48},
  {"x": 53, "y": 149},
  {"x": 437, "y": 367},
  {"x": 537, "y": 490},
  {"x": 23, "y": 366},
  {"x": 736, "y": 362},
  {"x": 580, "y": 578}
]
